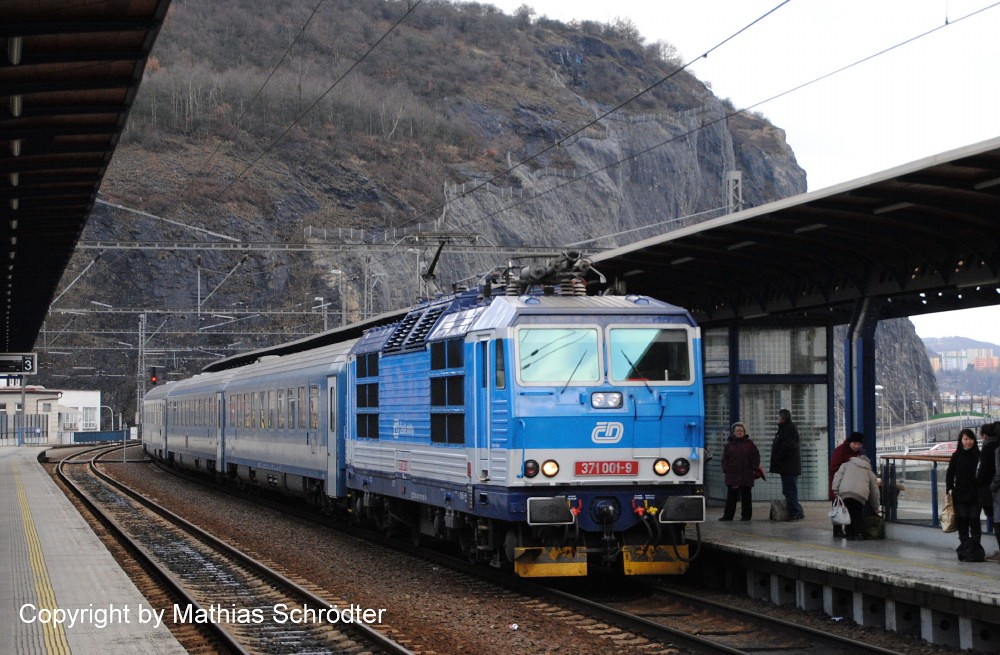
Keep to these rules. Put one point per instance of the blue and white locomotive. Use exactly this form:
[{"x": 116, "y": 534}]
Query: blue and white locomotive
[{"x": 542, "y": 428}]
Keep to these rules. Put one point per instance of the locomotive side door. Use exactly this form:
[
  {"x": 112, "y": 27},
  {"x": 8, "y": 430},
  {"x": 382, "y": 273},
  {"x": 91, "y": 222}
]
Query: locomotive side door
[
  {"x": 332, "y": 443},
  {"x": 481, "y": 384}
]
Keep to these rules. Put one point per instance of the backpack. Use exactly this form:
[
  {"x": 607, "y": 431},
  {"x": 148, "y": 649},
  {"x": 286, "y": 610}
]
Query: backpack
[
  {"x": 779, "y": 510},
  {"x": 973, "y": 552}
]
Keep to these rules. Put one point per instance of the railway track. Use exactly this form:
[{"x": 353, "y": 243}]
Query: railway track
[
  {"x": 247, "y": 606},
  {"x": 706, "y": 626},
  {"x": 638, "y": 613}
]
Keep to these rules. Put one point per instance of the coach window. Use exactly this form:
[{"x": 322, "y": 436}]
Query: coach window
[
  {"x": 281, "y": 408},
  {"x": 293, "y": 408},
  {"x": 313, "y": 407},
  {"x": 303, "y": 408}
]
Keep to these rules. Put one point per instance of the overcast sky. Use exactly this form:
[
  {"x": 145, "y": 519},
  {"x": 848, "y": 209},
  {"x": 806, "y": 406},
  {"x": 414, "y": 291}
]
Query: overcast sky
[{"x": 934, "y": 94}]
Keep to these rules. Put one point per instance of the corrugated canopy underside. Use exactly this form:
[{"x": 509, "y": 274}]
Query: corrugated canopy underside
[{"x": 68, "y": 74}]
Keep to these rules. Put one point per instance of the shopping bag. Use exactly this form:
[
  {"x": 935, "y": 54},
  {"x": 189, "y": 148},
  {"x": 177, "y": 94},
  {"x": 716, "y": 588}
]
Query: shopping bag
[
  {"x": 873, "y": 527},
  {"x": 779, "y": 510},
  {"x": 948, "y": 521},
  {"x": 839, "y": 514}
]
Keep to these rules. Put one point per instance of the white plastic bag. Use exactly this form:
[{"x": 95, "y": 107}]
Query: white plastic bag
[{"x": 839, "y": 514}]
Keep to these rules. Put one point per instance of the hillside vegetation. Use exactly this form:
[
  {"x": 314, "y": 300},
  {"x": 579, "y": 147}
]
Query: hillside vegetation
[{"x": 453, "y": 96}]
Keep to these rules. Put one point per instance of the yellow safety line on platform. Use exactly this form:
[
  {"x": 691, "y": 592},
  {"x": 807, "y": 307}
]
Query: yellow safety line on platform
[
  {"x": 55, "y": 636},
  {"x": 856, "y": 553}
]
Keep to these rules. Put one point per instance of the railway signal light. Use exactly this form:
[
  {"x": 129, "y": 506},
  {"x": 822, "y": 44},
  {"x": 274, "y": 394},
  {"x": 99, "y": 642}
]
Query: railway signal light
[{"x": 153, "y": 379}]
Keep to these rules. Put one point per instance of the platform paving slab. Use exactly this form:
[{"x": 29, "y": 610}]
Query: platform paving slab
[{"x": 50, "y": 558}]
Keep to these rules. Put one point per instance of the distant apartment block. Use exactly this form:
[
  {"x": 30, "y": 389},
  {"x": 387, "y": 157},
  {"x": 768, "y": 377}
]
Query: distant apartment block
[{"x": 980, "y": 359}]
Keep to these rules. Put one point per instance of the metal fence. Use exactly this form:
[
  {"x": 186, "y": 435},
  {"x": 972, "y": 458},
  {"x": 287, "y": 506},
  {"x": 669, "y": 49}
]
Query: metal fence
[{"x": 24, "y": 429}]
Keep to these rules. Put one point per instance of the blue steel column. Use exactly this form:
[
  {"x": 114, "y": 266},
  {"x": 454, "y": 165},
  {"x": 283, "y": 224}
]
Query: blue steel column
[
  {"x": 859, "y": 372},
  {"x": 734, "y": 373}
]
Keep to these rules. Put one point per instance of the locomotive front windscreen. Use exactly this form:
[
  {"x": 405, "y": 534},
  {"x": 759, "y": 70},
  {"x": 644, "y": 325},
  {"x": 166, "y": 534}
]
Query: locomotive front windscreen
[
  {"x": 650, "y": 354},
  {"x": 558, "y": 355}
]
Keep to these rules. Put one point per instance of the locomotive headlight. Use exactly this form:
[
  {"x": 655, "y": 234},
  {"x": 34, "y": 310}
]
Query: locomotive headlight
[
  {"x": 605, "y": 400},
  {"x": 530, "y": 468},
  {"x": 661, "y": 467},
  {"x": 681, "y": 466},
  {"x": 550, "y": 467}
]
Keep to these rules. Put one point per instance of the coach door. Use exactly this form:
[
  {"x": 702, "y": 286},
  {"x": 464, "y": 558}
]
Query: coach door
[
  {"x": 332, "y": 443},
  {"x": 220, "y": 424}
]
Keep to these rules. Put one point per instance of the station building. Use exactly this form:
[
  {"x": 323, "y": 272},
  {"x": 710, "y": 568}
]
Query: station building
[{"x": 37, "y": 415}]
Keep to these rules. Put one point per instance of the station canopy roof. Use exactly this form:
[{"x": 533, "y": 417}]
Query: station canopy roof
[
  {"x": 69, "y": 72},
  {"x": 923, "y": 237}
]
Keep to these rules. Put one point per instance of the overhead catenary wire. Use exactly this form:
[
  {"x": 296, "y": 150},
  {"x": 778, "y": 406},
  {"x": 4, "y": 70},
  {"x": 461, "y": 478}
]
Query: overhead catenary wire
[
  {"x": 260, "y": 90},
  {"x": 308, "y": 109},
  {"x": 559, "y": 142},
  {"x": 357, "y": 62},
  {"x": 727, "y": 116}
]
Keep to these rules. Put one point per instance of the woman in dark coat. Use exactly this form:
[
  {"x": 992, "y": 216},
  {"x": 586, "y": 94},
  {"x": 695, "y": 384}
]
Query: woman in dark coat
[
  {"x": 740, "y": 461},
  {"x": 960, "y": 482}
]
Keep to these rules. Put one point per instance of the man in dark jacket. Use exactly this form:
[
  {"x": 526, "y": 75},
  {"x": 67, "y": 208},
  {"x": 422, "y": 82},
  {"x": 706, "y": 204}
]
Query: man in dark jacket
[
  {"x": 786, "y": 461},
  {"x": 990, "y": 432}
]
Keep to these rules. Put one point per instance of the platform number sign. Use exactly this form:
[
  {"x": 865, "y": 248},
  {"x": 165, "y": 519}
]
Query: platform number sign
[{"x": 18, "y": 363}]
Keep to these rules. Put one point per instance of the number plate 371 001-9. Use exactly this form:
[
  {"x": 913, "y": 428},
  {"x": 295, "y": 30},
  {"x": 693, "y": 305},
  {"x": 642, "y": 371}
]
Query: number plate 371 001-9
[{"x": 607, "y": 468}]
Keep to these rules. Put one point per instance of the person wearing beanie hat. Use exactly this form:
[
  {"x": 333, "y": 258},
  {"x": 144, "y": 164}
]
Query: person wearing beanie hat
[
  {"x": 851, "y": 447},
  {"x": 740, "y": 461}
]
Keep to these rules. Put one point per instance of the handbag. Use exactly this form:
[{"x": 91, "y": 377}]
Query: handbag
[
  {"x": 759, "y": 473},
  {"x": 839, "y": 514},
  {"x": 949, "y": 523}
]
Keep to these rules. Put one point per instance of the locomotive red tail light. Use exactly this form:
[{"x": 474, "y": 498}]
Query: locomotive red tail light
[
  {"x": 530, "y": 468},
  {"x": 681, "y": 466},
  {"x": 661, "y": 467}
]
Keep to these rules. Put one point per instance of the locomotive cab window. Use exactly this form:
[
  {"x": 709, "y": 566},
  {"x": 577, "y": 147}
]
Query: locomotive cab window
[
  {"x": 649, "y": 354},
  {"x": 558, "y": 355}
]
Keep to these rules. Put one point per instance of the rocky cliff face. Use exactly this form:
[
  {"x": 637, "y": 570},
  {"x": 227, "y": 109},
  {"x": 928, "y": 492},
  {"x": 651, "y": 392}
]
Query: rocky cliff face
[
  {"x": 482, "y": 92},
  {"x": 901, "y": 368}
]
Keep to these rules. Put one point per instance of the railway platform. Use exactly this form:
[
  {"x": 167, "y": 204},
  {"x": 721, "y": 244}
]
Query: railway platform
[
  {"x": 910, "y": 582},
  {"x": 61, "y": 592}
]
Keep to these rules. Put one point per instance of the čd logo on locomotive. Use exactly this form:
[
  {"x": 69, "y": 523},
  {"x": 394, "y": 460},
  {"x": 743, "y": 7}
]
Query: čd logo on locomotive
[{"x": 607, "y": 432}]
